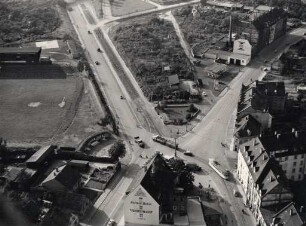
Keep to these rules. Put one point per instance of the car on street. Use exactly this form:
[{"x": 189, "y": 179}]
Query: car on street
[
  {"x": 139, "y": 142},
  {"x": 97, "y": 63},
  {"x": 236, "y": 193},
  {"x": 121, "y": 97},
  {"x": 193, "y": 167},
  {"x": 111, "y": 222},
  {"x": 99, "y": 50},
  {"x": 188, "y": 153}
]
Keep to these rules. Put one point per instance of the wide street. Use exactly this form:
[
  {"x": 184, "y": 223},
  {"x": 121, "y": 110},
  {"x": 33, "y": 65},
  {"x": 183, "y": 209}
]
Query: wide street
[{"x": 136, "y": 117}]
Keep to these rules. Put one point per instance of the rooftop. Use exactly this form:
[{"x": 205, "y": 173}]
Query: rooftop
[
  {"x": 247, "y": 126},
  {"x": 294, "y": 142},
  {"x": 288, "y": 216},
  {"x": 66, "y": 175},
  {"x": 41, "y": 154},
  {"x": 27, "y": 50}
]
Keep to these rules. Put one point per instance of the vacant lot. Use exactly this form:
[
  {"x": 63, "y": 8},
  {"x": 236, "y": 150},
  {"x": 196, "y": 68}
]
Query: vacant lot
[
  {"x": 34, "y": 110},
  {"x": 125, "y": 7},
  {"x": 148, "y": 45}
]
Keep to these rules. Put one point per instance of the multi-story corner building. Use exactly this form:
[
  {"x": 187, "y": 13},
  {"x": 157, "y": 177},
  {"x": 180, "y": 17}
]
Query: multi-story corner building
[
  {"x": 264, "y": 26},
  {"x": 262, "y": 180},
  {"x": 258, "y": 103},
  {"x": 289, "y": 150}
]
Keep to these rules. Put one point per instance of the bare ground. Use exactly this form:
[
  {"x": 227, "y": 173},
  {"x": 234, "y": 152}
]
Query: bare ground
[{"x": 125, "y": 7}]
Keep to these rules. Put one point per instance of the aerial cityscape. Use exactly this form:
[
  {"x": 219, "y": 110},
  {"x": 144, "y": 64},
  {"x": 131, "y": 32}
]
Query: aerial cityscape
[{"x": 152, "y": 112}]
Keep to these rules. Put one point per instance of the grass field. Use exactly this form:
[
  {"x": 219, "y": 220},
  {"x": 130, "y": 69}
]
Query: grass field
[
  {"x": 125, "y": 7},
  {"x": 34, "y": 110}
]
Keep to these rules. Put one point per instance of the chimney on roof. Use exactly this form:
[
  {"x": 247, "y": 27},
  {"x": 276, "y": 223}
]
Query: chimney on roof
[
  {"x": 296, "y": 133},
  {"x": 275, "y": 132},
  {"x": 277, "y": 136},
  {"x": 301, "y": 209},
  {"x": 264, "y": 157},
  {"x": 254, "y": 163},
  {"x": 291, "y": 212},
  {"x": 293, "y": 130}
]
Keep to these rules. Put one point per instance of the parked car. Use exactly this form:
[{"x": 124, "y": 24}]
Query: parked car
[
  {"x": 236, "y": 193},
  {"x": 97, "y": 63},
  {"x": 121, "y": 97},
  {"x": 111, "y": 222},
  {"x": 99, "y": 50},
  {"x": 193, "y": 167},
  {"x": 188, "y": 153},
  {"x": 139, "y": 142}
]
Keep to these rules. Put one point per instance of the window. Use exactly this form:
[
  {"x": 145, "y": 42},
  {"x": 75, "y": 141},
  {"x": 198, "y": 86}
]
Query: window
[
  {"x": 141, "y": 215},
  {"x": 295, "y": 157},
  {"x": 300, "y": 176},
  {"x": 302, "y": 156},
  {"x": 294, "y": 163},
  {"x": 140, "y": 207},
  {"x": 293, "y": 170},
  {"x": 174, "y": 207},
  {"x": 300, "y": 170},
  {"x": 301, "y": 163},
  {"x": 286, "y": 158}
]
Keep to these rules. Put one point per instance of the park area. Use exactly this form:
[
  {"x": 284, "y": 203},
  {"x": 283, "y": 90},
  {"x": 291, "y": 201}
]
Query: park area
[{"x": 125, "y": 7}]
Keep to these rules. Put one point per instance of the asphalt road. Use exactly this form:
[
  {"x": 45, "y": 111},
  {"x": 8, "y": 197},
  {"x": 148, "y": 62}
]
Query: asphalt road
[{"x": 204, "y": 140}]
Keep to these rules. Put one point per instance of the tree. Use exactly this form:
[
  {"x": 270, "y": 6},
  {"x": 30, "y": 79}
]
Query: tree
[
  {"x": 80, "y": 66},
  {"x": 186, "y": 180},
  {"x": 117, "y": 150},
  {"x": 192, "y": 108}
]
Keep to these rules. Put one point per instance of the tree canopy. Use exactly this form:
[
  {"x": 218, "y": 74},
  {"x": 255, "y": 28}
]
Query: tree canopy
[{"x": 117, "y": 150}]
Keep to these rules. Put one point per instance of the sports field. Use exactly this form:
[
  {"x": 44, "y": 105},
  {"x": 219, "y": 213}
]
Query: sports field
[{"x": 34, "y": 110}]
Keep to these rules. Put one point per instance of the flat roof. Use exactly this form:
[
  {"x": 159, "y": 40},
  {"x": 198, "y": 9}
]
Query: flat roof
[
  {"x": 20, "y": 50},
  {"x": 41, "y": 153},
  {"x": 264, "y": 8},
  {"x": 195, "y": 213}
]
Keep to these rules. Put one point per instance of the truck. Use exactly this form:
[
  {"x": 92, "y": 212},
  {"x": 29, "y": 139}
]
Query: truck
[{"x": 164, "y": 141}]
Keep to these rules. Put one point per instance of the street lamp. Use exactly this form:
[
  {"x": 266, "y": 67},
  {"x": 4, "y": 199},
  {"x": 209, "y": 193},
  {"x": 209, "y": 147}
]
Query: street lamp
[{"x": 175, "y": 145}]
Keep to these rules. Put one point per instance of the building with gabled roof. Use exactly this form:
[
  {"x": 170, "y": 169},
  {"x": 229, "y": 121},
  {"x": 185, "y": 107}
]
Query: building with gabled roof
[
  {"x": 62, "y": 179},
  {"x": 150, "y": 201},
  {"x": 247, "y": 127},
  {"x": 155, "y": 199},
  {"x": 287, "y": 216},
  {"x": 261, "y": 178}
]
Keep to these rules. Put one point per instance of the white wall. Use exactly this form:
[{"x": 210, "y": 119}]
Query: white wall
[
  {"x": 140, "y": 208},
  {"x": 242, "y": 46}
]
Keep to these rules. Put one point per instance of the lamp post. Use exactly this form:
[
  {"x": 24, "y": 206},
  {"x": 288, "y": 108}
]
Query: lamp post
[{"x": 175, "y": 145}]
